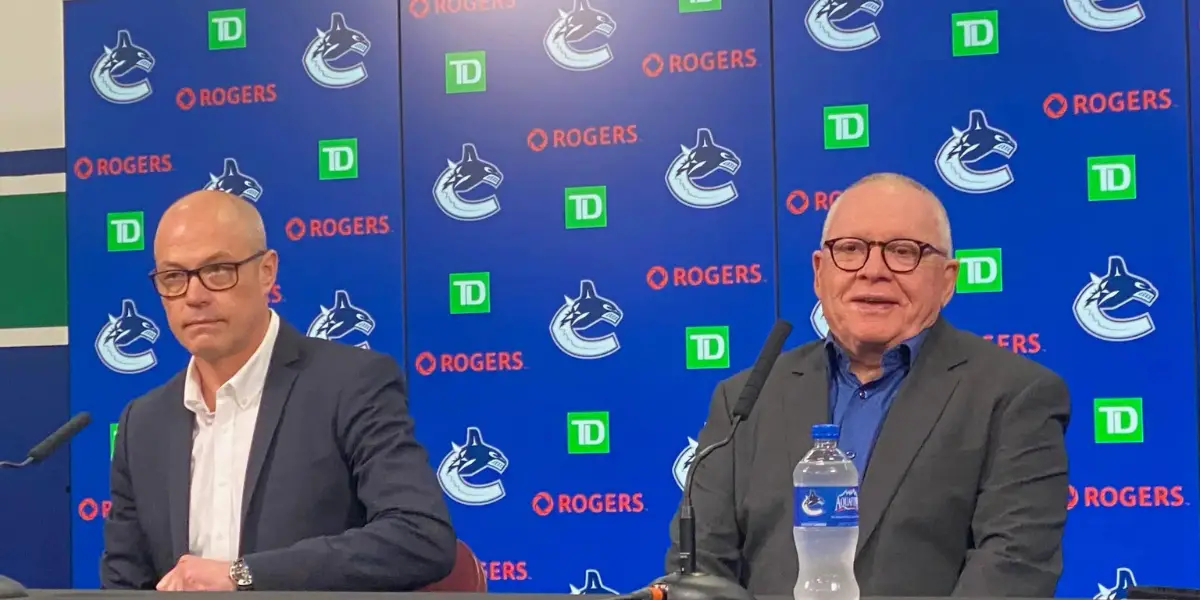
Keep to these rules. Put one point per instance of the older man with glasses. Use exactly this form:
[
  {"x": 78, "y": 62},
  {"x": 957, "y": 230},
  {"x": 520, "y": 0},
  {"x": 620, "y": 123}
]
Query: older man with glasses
[
  {"x": 274, "y": 461},
  {"x": 959, "y": 444}
]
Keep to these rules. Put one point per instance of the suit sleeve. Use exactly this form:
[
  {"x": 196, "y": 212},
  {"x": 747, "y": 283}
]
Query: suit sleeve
[
  {"x": 718, "y": 540},
  {"x": 1022, "y": 504},
  {"x": 408, "y": 541},
  {"x": 125, "y": 562}
]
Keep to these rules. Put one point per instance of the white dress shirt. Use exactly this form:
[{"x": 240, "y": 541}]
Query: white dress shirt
[{"x": 220, "y": 450}]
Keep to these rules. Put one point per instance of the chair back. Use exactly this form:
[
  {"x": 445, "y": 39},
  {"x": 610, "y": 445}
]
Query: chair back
[{"x": 466, "y": 576}]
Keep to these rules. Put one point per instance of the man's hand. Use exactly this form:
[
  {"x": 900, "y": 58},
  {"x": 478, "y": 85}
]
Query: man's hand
[{"x": 195, "y": 574}]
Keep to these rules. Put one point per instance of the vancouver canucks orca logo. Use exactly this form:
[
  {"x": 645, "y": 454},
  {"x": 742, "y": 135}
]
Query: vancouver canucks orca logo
[
  {"x": 463, "y": 177},
  {"x": 824, "y": 19},
  {"x": 1103, "y": 295},
  {"x": 1091, "y": 15},
  {"x": 694, "y": 164},
  {"x": 813, "y": 504},
  {"x": 683, "y": 463},
  {"x": 233, "y": 181},
  {"x": 577, "y": 315},
  {"x": 817, "y": 319},
  {"x": 342, "y": 319},
  {"x": 330, "y": 47},
  {"x": 963, "y": 149},
  {"x": 1120, "y": 589},
  {"x": 592, "y": 584},
  {"x": 119, "y": 63},
  {"x": 470, "y": 474},
  {"x": 567, "y": 36},
  {"x": 126, "y": 343}
]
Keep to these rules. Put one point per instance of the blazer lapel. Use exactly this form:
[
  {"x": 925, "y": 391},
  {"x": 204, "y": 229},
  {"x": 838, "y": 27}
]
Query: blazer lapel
[
  {"x": 281, "y": 375},
  {"x": 178, "y": 432},
  {"x": 914, "y": 411},
  {"x": 807, "y": 402}
]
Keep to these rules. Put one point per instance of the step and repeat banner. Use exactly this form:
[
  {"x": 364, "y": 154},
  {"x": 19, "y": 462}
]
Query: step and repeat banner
[{"x": 569, "y": 219}]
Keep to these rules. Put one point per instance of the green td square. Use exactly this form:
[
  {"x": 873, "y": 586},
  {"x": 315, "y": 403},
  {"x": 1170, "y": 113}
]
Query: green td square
[
  {"x": 708, "y": 347},
  {"x": 694, "y": 6},
  {"x": 227, "y": 29},
  {"x": 585, "y": 207},
  {"x": 847, "y": 127},
  {"x": 112, "y": 440},
  {"x": 1112, "y": 177},
  {"x": 466, "y": 72},
  {"x": 1118, "y": 420},
  {"x": 975, "y": 33},
  {"x": 979, "y": 270},
  {"x": 587, "y": 433},
  {"x": 126, "y": 231},
  {"x": 338, "y": 159},
  {"x": 470, "y": 293}
]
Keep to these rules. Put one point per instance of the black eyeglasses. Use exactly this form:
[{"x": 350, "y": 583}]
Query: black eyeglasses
[
  {"x": 900, "y": 255},
  {"x": 216, "y": 277}
]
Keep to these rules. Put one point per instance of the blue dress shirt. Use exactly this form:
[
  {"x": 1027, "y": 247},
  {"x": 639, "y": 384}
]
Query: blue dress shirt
[{"x": 859, "y": 409}]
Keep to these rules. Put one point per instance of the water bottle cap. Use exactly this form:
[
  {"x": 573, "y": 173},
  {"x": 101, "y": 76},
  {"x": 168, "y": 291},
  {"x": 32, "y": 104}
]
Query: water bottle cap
[{"x": 825, "y": 432}]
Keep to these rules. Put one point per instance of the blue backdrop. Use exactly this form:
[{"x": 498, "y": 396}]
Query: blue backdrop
[{"x": 468, "y": 174}]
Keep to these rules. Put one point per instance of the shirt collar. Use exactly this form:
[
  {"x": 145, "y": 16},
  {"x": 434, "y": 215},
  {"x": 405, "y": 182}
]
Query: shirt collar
[
  {"x": 246, "y": 385},
  {"x": 900, "y": 355}
]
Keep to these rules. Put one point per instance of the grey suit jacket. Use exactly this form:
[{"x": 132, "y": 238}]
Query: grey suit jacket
[
  {"x": 338, "y": 494},
  {"x": 965, "y": 492}
]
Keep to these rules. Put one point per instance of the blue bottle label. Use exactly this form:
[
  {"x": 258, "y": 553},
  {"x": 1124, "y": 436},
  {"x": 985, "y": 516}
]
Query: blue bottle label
[{"x": 826, "y": 506}]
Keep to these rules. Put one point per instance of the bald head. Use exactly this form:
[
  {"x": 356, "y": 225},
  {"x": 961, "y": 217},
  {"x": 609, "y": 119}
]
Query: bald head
[
  {"x": 234, "y": 221},
  {"x": 891, "y": 182}
]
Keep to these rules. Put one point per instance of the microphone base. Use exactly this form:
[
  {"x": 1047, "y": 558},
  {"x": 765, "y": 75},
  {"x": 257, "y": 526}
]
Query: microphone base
[
  {"x": 701, "y": 586},
  {"x": 11, "y": 589}
]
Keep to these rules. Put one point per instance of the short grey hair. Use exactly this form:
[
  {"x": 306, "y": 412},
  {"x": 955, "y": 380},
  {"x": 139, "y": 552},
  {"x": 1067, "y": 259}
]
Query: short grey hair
[{"x": 939, "y": 210}]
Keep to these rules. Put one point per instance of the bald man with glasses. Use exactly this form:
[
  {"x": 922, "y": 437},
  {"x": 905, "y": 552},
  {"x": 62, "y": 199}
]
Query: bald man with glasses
[{"x": 274, "y": 461}]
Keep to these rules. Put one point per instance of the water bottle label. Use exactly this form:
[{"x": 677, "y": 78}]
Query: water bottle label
[{"x": 826, "y": 506}]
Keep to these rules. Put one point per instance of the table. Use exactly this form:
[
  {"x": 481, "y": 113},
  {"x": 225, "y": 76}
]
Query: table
[{"x": 122, "y": 595}]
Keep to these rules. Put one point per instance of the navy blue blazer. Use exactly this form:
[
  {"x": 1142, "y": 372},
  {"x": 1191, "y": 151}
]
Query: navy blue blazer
[{"x": 339, "y": 495}]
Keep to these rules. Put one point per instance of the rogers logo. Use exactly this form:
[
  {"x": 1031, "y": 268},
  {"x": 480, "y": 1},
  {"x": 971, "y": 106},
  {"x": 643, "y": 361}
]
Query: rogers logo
[
  {"x": 710, "y": 60},
  {"x": 575, "y": 137},
  {"x": 545, "y": 503},
  {"x": 1056, "y": 105},
  {"x": 254, "y": 93},
  {"x": 89, "y": 509},
  {"x": 473, "y": 362},
  {"x": 421, "y": 8},
  {"x": 504, "y": 570},
  {"x": 659, "y": 277},
  {"x": 799, "y": 201},
  {"x": 138, "y": 164},
  {"x": 298, "y": 228},
  {"x": 1130, "y": 496},
  {"x": 1019, "y": 343}
]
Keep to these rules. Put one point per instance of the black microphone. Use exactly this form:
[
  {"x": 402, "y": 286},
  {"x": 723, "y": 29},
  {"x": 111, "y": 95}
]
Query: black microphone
[
  {"x": 47, "y": 446},
  {"x": 688, "y": 583}
]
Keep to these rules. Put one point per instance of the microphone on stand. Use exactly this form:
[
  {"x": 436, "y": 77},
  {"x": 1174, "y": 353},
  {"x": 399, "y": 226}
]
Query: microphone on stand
[
  {"x": 688, "y": 583},
  {"x": 8, "y": 587}
]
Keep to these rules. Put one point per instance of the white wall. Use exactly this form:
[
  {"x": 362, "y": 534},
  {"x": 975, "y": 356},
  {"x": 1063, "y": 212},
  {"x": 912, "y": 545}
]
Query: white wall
[{"x": 31, "y": 91}]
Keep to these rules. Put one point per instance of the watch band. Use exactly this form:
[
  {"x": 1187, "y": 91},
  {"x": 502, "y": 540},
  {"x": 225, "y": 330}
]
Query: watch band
[{"x": 240, "y": 574}]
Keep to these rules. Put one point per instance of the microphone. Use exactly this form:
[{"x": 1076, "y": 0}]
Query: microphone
[
  {"x": 47, "y": 446},
  {"x": 688, "y": 583}
]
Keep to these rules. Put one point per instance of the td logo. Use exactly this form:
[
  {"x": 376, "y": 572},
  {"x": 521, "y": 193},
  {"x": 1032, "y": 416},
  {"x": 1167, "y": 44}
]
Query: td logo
[
  {"x": 979, "y": 270},
  {"x": 586, "y": 207},
  {"x": 338, "y": 159},
  {"x": 466, "y": 72},
  {"x": 470, "y": 293},
  {"x": 1112, "y": 177},
  {"x": 975, "y": 33},
  {"x": 708, "y": 347},
  {"x": 112, "y": 440},
  {"x": 227, "y": 29},
  {"x": 847, "y": 127},
  {"x": 694, "y": 6},
  {"x": 1118, "y": 420},
  {"x": 125, "y": 232},
  {"x": 587, "y": 433}
]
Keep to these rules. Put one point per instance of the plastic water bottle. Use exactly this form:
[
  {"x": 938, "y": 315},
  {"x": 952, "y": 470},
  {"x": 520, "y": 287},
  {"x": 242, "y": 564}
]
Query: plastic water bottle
[{"x": 826, "y": 520}]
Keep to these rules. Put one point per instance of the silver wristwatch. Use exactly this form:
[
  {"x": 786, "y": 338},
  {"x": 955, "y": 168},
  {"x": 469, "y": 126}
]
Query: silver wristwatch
[{"x": 240, "y": 574}]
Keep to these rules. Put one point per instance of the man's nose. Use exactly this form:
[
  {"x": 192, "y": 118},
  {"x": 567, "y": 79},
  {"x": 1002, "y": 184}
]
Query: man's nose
[{"x": 875, "y": 267}]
